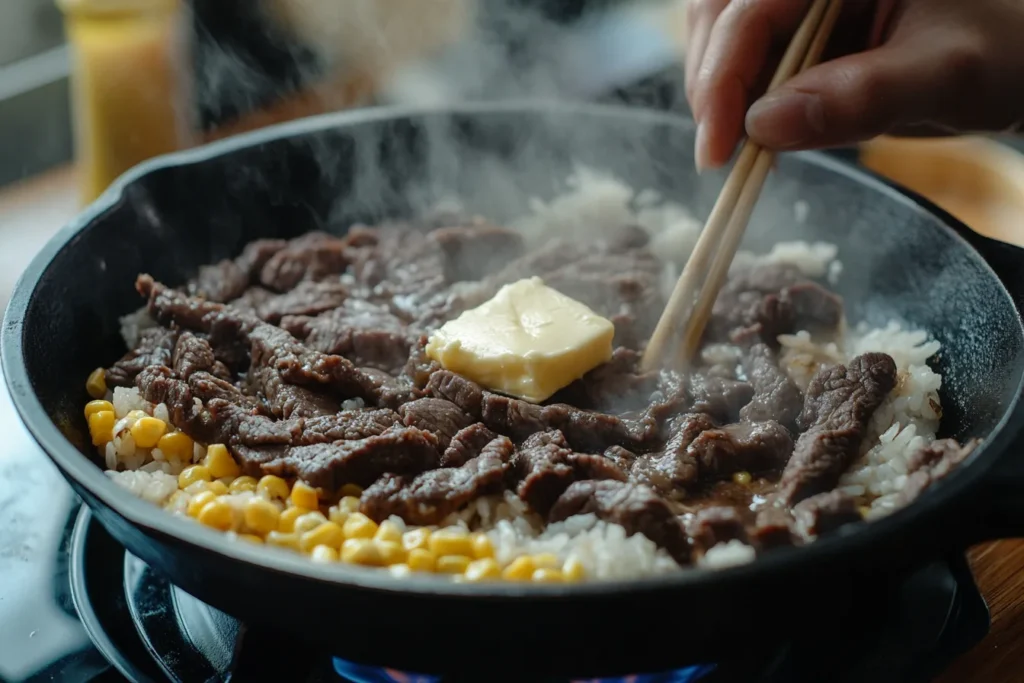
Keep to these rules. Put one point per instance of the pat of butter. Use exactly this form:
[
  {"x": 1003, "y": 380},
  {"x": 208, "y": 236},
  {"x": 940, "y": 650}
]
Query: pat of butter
[{"x": 529, "y": 341}]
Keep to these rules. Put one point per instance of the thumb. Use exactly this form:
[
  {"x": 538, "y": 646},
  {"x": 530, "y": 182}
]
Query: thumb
[{"x": 860, "y": 96}]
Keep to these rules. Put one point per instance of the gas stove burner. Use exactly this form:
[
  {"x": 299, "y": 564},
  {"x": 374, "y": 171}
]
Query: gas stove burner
[{"x": 358, "y": 673}]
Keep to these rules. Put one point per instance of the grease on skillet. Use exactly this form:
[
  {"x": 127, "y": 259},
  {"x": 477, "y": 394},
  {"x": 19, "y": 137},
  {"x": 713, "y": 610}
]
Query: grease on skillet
[{"x": 285, "y": 397}]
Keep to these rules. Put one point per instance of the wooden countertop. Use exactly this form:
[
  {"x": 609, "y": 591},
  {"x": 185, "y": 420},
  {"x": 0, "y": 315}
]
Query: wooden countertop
[{"x": 31, "y": 212}]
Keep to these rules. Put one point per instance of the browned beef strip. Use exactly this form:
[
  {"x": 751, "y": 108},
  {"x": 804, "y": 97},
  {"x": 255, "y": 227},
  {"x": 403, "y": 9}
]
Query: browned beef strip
[
  {"x": 462, "y": 392},
  {"x": 617, "y": 386},
  {"x": 192, "y": 354},
  {"x": 466, "y": 445},
  {"x": 719, "y": 397},
  {"x": 772, "y": 528},
  {"x": 674, "y": 467},
  {"x": 256, "y": 254},
  {"x": 436, "y": 415},
  {"x": 622, "y": 457},
  {"x": 222, "y": 281},
  {"x": 289, "y": 400},
  {"x": 306, "y": 299},
  {"x": 931, "y": 464},
  {"x": 155, "y": 347},
  {"x": 431, "y": 496},
  {"x": 543, "y": 468},
  {"x": 775, "y": 395},
  {"x": 420, "y": 367},
  {"x": 838, "y": 404},
  {"x": 312, "y": 256},
  {"x": 713, "y": 525},
  {"x": 814, "y": 307},
  {"x": 590, "y": 466},
  {"x": 743, "y": 447},
  {"x": 824, "y": 513},
  {"x": 474, "y": 251},
  {"x": 348, "y": 425},
  {"x": 636, "y": 508},
  {"x": 403, "y": 451}
]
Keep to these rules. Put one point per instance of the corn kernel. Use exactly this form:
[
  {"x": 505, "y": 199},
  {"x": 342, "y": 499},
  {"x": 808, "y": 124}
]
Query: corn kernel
[
  {"x": 217, "y": 487},
  {"x": 308, "y": 521},
  {"x": 573, "y": 570},
  {"x": 97, "y": 407},
  {"x": 349, "y": 504},
  {"x": 286, "y": 520},
  {"x": 451, "y": 541},
  {"x": 359, "y": 525},
  {"x": 147, "y": 431},
  {"x": 864, "y": 511},
  {"x": 482, "y": 547},
  {"x": 219, "y": 461},
  {"x": 101, "y": 427},
  {"x": 272, "y": 487},
  {"x": 324, "y": 553},
  {"x": 96, "y": 384},
  {"x": 176, "y": 445},
  {"x": 453, "y": 564},
  {"x": 227, "y": 481},
  {"x": 421, "y": 560},
  {"x": 400, "y": 570},
  {"x": 261, "y": 515},
  {"x": 136, "y": 415},
  {"x": 547, "y": 576},
  {"x": 305, "y": 496},
  {"x": 283, "y": 539},
  {"x": 361, "y": 551},
  {"x": 416, "y": 538},
  {"x": 390, "y": 552},
  {"x": 251, "y": 538},
  {"x": 520, "y": 569},
  {"x": 351, "y": 490},
  {"x": 742, "y": 478},
  {"x": 546, "y": 561},
  {"x": 217, "y": 514},
  {"x": 192, "y": 474},
  {"x": 242, "y": 484},
  {"x": 336, "y": 515},
  {"x": 389, "y": 531},
  {"x": 199, "y": 501},
  {"x": 327, "y": 533},
  {"x": 483, "y": 570}
]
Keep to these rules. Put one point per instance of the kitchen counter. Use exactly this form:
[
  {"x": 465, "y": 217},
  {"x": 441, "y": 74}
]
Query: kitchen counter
[{"x": 32, "y": 211}]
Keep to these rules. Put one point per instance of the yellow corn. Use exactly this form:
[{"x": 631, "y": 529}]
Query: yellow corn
[
  {"x": 242, "y": 484},
  {"x": 390, "y": 552},
  {"x": 336, "y": 515},
  {"x": 351, "y": 490},
  {"x": 323, "y": 553},
  {"x": 400, "y": 570},
  {"x": 520, "y": 569},
  {"x": 176, "y": 445},
  {"x": 547, "y": 576},
  {"x": 416, "y": 538},
  {"x": 453, "y": 564},
  {"x": 421, "y": 560},
  {"x": 308, "y": 521},
  {"x": 483, "y": 570},
  {"x": 192, "y": 474},
  {"x": 742, "y": 478},
  {"x": 361, "y": 551},
  {"x": 349, "y": 504},
  {"x": 147, "y": 431},
  {"x": 219, "y": 461},
  {"x": 546, "y": 561},
  {"x": 451, "y": 541},
  {"x": 97, "y": 407},
  {"x": 217, "y": 514},
  {"x": 305, "y": 496},
  {"x": 261, "y": 515},
  {"x": 359, "y": 525},
  {"x": 389, "y": 531},
  {"x": 96, "y": 384},
  {"x": 272, "y": 487},
  {"x": 328, "y": 534},
  {"x": 218, "y": 487},
  {"x": 199, "y": 501},
  {"x": 101, "y": 427},
  {"x": 482, "y": 547},
  {"x": 286, "y": 521},
  {"x": 283, "y": 539},
  {"x": 573, "y": 570},
  {"x": 864, "y": 511},
  {"x": 136, "y": 415}
]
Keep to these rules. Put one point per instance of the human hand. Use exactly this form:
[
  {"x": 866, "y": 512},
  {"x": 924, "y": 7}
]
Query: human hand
[{"x": 901, "y": 67}]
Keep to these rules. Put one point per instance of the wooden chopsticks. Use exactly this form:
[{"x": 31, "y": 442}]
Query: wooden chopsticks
[{"x": 705, "y": 272}]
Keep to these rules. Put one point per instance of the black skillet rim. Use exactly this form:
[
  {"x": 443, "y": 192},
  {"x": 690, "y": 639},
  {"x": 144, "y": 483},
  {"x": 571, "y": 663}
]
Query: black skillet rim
[{"x": 154, "y": 520}]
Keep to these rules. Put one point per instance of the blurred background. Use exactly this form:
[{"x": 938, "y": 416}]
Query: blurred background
[{"x": 89, "y": 88}]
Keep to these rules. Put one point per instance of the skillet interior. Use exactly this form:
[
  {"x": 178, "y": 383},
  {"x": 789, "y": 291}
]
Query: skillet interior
[{"x": 175, "y": 214}]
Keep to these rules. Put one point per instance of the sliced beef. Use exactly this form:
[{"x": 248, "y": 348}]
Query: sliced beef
[
  {"x": 673, "y": 468},
  {"x": 192, "y": 354},
  {"x": 617, "y": 386},
  {"x": 436, "y": 415},
  {"x": 430, "y": 497},
  {"x": 466, "y": 445},
  {"x": 306, "y": 299},
  {"x": 589, "y": 466},
  {"x": 155, "y": 347},
  {"x": 256, "y": 254},
  {"x": 838, "y": 404},
  {"x": 743, "y": 447},
  {"x": 474, "y": 251},
  {"x": 772, "y": 528},
  {"x": 288, "y": 400},
  {"x": 543, "y": 469},
  {"x": 635, "y": 507},
  {"x": 714, "y": 525},
  {"x": 931, "y": 464},
  {"x": 368, "y": 334},
  {"x": 223, "y": 282},
  {"x": 313, "y": 256},
  {"x": 719, "y": 397},
  {"x": 419, "y": 368},
  {"x": 775, "y": 395},
  {"x": 824, "y": 513},
  {"x": 348, "y": 425},
  {"x": 464, "y": 393}
]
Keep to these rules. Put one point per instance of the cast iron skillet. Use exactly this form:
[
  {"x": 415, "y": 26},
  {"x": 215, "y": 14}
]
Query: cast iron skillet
[{"x": 903, "y": 257}]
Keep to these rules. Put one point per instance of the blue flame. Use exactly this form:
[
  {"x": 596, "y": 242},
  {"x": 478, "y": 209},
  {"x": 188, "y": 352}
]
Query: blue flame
[{"x": 357, "y": 673}]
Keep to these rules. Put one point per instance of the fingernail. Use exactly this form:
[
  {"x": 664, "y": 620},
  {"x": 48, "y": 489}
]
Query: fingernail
[
  {"x": 786, "y": 119},
  {"x": 700, "y": 148}
]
